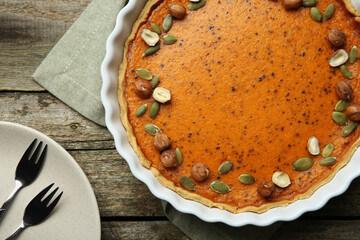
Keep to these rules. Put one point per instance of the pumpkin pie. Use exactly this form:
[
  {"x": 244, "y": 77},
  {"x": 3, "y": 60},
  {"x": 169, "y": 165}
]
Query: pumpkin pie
[{"x": 242, "y": 105}]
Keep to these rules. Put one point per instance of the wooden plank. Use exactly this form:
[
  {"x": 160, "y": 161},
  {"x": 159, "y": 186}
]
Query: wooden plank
[
  {"x": 298, "y": 230},
  {"x": 28, "y": 31},
  {"x": 44, "y": 112},
  {"x": 315, "y": 230},
  {"x": 18, "y": 63},
  {"x": 57, "y": 10},
  {"x": 141, "y": 230},
  {"x": 117, "y": 191}
]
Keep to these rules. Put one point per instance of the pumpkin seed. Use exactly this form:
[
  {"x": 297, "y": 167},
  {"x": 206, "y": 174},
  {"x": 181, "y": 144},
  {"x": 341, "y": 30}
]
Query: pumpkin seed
[
  {"x": 152, "y": 129},
  {"x": 328, "y": 161},
  {"x": 316, "y": 14},
  {"x": 151, "y": 50},
  {"x": 329, "y": 11},
  {"x": 219, "y": 187},
  {"x": 303, "y": 164},
  {"x": 156, "y": 28},
  {"x": 225, "y": 167},
  {"x": 144, "y": 73},
  {"x": 179, "y": 156},
  {"x": 338, "y": 58},
  {"x": 169, "y": 39},
  {"x": 154, "y": 109},
  {"x": 141, "y": 110},
  {"x": 328, "y": 150},
  {"x": 154, "y": 82},
  {"x": 313, "y": 146},
  {"x": 345, "y": 71},
  {"x": 187, "y": 183},
  {"x": 246, "y": 179},
  {"x": 310, "y": 3},
  {"x": 353, "y": 54},
  {"x": 167, "y": 23},
  {"x": 348, "y": 129},
  {"x": 196, "y": 5},
  {"x": 281, "y": 179},
  {"x": 342, "y": 106},
  {"x": 339, "y": 118}
]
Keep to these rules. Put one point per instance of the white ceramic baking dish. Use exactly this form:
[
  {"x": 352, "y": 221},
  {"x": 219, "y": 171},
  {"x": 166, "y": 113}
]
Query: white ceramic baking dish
[{"x": 109, "y": 72}]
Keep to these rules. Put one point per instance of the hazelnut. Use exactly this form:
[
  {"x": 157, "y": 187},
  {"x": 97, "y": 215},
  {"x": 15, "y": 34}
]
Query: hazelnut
[
  {"x": 353, "y": 112},
  {"x": 338, "y": 58},
  {"x": 276, "y": 193},
  {"x": 199, "y": 172},
  {"x": 292, "y": 4},
  {"x": 281, "y": 179},
  {"x": 177, "y": 10},
  {"x": 336, "y": 37},
  {"x": 161, "y": 141},
  {"x": 143, "y": 88},
  {"x": 266, "y": 188},
  {"x": 344, "y": 90},
  {"x": 168, "y": 159},
  {"x": 161, "y": 95},
  {"x": 151, "y": 38}
]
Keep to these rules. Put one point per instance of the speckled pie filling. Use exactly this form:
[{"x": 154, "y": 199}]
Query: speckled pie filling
[{"x": 249, "y": 82}]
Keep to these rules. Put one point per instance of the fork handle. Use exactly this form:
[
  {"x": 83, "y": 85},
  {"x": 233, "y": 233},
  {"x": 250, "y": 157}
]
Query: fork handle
[
  {"x": 16, "y": 232},
  {"x": 5, "y": 206}
]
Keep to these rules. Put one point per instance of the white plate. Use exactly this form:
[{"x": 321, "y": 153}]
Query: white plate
[
  {"x": 76, "y": 216},
  {"x": 356, "y": 4},
  {"x": 109, "y": 72}
]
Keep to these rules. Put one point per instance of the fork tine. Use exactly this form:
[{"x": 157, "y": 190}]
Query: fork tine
[
  {"x": 48, "y": 198},
  {"x": 42, "y": 193},
  {"x": 29, "y": 150},
  {"x": 42, "y": 156},
  {"x": 53, "y": 204},
  {"x": 35, "y": 155}
]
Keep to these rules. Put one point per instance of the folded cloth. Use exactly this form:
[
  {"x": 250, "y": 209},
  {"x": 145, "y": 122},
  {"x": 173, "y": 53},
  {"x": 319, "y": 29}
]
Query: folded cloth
[
  {"x": 197, "y": 229},
  {"x": 71, "y": 72}
]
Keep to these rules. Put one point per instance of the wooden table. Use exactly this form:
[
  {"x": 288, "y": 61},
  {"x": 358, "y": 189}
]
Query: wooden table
[{"x": 28, "y": 31}]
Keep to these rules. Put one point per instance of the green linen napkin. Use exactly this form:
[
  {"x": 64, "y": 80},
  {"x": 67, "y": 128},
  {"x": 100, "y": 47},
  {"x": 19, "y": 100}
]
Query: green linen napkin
[
  {"x": 71, "y": 72},
  {"x": 197, "y": 229}
]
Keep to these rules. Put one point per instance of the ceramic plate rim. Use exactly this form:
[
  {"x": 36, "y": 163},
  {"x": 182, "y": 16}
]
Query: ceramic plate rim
[
  {"x": 109, "y": 73},
  {"x": 92, "y": 199}
]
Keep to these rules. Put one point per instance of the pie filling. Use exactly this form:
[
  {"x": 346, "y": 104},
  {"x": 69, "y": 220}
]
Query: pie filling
[{"x": 251, "y": 91}]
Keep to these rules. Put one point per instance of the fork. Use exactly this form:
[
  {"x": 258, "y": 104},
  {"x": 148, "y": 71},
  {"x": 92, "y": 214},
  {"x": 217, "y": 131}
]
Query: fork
[
  {"x": 37, "y": 211},
  {"x": 26, "y": 172}
]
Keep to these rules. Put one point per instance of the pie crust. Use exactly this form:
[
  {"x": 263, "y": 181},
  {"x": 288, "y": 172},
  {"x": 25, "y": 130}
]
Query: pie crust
[{"x": 351, "y": 8}]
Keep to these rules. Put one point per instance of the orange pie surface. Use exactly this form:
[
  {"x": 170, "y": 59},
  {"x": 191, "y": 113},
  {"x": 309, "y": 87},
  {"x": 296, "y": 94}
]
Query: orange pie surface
[{"x": 250, "y": 83}]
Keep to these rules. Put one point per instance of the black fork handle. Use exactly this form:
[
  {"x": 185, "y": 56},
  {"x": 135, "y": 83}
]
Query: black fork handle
[{"x": 9, "y": 200}]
